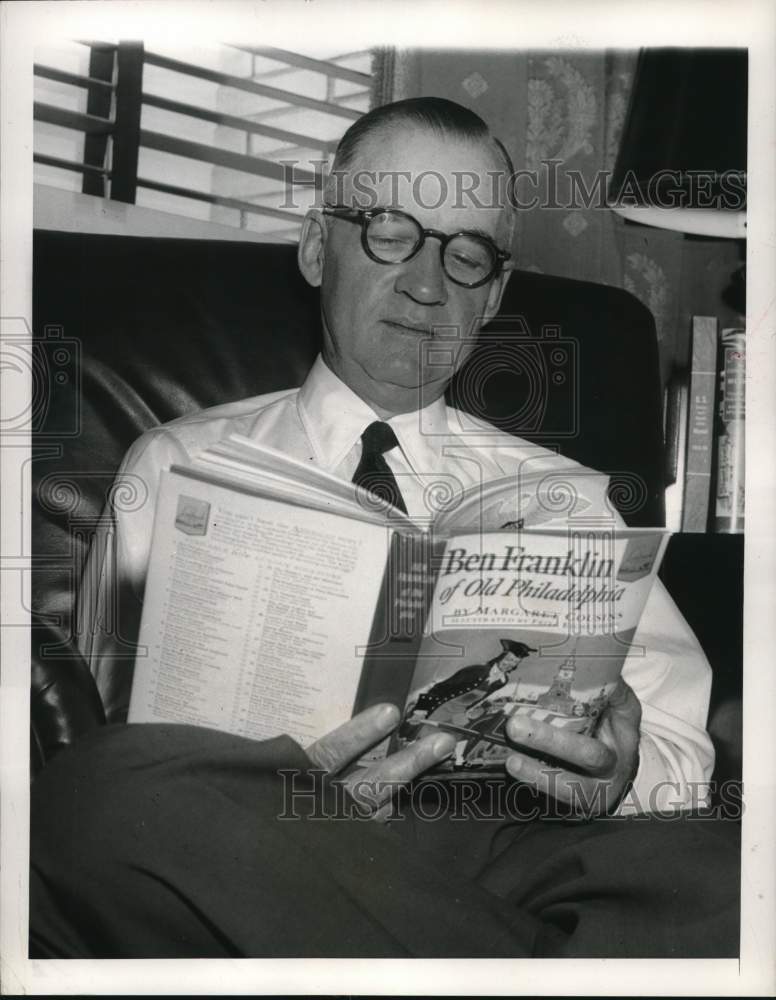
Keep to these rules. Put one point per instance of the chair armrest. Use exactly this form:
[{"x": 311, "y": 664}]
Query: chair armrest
[{"x": 65, "y": 703}]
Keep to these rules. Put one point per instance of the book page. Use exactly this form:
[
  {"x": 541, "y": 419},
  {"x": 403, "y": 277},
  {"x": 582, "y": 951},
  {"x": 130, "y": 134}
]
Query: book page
[
  {"x": 272, "y": 473},
  {"x": 254, "y": 612}
]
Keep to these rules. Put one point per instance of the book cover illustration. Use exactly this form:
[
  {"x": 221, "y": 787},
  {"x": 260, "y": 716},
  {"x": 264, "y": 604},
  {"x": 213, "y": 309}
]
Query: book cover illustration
[{"x": 475, "y": 703}]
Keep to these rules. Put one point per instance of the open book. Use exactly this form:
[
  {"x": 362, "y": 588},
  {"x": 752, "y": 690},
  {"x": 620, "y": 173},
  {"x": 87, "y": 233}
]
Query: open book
[{"x": 281, "y": 599}]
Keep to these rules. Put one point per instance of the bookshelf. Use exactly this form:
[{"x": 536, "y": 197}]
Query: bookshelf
[
  {"x": 703, "y": 569},
  {"x": 704, "y": 429}
]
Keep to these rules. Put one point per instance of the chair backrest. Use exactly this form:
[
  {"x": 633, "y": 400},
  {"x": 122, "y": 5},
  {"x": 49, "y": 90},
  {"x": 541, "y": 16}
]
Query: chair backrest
[{"x": 131, "y": 332}]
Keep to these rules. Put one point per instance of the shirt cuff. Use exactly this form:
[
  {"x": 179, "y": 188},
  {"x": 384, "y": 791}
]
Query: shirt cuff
[{"x": 656, "y": 787}]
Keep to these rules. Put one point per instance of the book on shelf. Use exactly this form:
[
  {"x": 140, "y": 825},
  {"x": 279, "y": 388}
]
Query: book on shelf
[
  {"x": 281, "y": 599},
  {"x": 699, "y": 447},
  {"x": 675, "y": 421},
  {"x": 730, "y": 465}
]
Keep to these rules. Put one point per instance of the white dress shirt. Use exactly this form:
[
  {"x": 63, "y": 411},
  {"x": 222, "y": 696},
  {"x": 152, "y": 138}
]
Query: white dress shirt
[{"x": 322, "y": 422}]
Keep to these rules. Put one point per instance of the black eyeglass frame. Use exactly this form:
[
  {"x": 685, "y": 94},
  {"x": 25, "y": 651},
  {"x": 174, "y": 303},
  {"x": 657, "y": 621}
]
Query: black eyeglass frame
[{"x": 363, "y": 216}]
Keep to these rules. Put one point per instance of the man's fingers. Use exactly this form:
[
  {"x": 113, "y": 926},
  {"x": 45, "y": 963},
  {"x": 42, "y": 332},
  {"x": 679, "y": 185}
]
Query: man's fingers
[
  {"x": 583, "y": 752},
  {"x": 337, "y": 749},
  {"x": 598, "y": 769},
  {"x": 623, "y": 703},
  {"x": 374, "y": 786},
  {"x": 587, "y": 795},
  {"x": 377, "y": 783}
]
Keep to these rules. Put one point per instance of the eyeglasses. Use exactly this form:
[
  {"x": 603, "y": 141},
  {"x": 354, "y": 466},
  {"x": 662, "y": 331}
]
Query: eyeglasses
[{"x": 389, "y": 236}]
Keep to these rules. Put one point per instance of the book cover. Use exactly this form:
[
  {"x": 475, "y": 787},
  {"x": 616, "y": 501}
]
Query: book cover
[{"x": 536, "y": 623}]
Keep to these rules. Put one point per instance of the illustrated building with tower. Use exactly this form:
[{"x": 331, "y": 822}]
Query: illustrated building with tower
[{"x": 557, "y": 698}]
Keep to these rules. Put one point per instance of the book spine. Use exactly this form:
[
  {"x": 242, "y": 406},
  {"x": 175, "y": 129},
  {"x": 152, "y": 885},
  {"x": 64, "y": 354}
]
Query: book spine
[
  {"x": 675, "y": 422},
  {"x": 729, "y": 493},
  {"x": 398, "y": 622},
  {"x": 700, "y": 425}
]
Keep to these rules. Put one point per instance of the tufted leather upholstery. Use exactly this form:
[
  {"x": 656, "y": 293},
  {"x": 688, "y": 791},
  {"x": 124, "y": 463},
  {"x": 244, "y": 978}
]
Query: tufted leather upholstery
[{"x": 131, "y": 332}]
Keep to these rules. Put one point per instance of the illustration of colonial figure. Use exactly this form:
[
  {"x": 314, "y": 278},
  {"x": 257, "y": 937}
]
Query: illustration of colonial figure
[
  {"x": 555, "y": 705},
  {"x": 458, "y": 699}
]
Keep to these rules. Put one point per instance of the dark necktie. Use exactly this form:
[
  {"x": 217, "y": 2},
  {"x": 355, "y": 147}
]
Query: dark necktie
[{"x": 373, "y": 472}]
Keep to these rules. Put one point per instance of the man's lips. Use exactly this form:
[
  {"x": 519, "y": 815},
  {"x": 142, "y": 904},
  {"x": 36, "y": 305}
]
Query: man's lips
[{"x": 411, "y": 326}]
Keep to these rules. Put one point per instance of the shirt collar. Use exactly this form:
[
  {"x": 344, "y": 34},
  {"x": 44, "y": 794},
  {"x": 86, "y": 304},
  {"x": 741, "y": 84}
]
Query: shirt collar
[
  {"x": 334, "y": 418},
  {"x": 421, "y": 434}
]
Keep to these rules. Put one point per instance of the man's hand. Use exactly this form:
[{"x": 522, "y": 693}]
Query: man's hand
[
  {"x": 598, "y": 768},
  {"x": 373, "y": 787}
]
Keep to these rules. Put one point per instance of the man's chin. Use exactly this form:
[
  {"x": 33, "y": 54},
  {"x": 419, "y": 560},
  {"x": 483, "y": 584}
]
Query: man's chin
[
  {"x": 401, "y": 379},
  {"x": 402, "y": 374}
]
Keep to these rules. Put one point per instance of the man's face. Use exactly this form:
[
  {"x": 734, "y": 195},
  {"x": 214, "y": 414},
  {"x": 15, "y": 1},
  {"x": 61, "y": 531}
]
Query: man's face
[
  {"x": 376, "y": 316},
  {"x": 509, "y": 661}
]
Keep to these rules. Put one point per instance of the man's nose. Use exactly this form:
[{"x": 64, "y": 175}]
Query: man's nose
[{"x": 422, "y": 278}]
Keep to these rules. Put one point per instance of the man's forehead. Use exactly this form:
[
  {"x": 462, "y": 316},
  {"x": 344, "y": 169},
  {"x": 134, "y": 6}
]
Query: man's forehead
[
  {"x": 413, "y": 145},
  {"x": 429, "y": 175}
]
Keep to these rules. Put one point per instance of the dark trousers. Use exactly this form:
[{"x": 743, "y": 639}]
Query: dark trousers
[{"x": 172, "y": 841}]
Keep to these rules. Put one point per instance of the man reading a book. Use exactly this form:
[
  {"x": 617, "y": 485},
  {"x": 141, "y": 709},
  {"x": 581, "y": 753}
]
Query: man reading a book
[{"x": 179, "y": 837}]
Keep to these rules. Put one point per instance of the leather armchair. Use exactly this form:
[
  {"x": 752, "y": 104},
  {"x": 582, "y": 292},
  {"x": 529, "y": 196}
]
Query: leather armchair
[{"x": 132, "y": 332}]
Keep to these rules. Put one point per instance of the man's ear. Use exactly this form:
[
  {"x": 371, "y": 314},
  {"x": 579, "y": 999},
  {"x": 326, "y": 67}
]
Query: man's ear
[
  {"x": 312, "y": 242},
  {"x": 495, "y": 295}
]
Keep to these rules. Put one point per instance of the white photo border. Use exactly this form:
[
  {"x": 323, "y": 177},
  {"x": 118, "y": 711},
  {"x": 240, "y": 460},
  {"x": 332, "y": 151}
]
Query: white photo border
[{"x": 470, "y": 24}]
